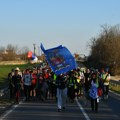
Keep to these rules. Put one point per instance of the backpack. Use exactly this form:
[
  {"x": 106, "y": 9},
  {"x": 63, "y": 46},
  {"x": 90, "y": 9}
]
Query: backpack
[{"x": 100, "y": 92}]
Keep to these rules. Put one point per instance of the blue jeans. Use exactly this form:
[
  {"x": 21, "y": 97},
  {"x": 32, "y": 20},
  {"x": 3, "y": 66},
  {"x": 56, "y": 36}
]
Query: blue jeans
[{"x": 61, "y": 97}]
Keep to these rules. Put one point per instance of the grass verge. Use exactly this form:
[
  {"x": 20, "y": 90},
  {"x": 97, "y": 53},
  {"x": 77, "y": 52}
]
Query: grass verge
[
  {"x": 115, "y": 88},
  {"x": 5, "y": 69}
]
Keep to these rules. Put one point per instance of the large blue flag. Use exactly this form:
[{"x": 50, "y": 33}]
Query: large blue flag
[{"x": 60, "y": 59}]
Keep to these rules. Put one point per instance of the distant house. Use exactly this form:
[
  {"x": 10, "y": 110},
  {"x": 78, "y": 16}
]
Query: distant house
[{"x": 80, "y": 57}]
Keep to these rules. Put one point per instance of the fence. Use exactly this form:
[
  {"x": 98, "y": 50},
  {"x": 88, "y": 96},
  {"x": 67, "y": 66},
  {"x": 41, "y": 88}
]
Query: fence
[{"x": 115, "y": 85}]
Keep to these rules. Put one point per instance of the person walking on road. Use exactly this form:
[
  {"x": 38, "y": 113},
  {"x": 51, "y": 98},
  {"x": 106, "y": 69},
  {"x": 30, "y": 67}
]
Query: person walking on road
[
  {"x": 71, "y": 86},
  {"x": 86, "y": 86},
  {"x": 94, "y": 92},
  {"x": 33, "y": 84},
  {"x": 105, "y": 78},
  {"x": 106, "y": 85},
  {"x": 61, "y": 83},
  {"x": 10, "y": 84},
  {"x": 27, "y": 79},
  {"x": 17, "y": 84}
]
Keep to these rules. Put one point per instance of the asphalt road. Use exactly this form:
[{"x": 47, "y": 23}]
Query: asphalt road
[{"x": 108, "y": 110}]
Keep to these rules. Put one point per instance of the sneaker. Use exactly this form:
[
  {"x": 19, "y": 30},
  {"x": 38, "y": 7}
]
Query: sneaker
[
  {"x": 97, "y": 100},
  {"x": 59, "y": 110},
  {"x": 107, "y": 97}
]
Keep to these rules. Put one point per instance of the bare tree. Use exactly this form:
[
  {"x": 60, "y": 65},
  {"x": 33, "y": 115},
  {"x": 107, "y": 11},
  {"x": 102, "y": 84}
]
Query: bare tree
[
  {"x": 11, "y": 52},
  {"x": 105, "y": 49},
  {"x": 2, "y": 49},
  {"x": 23, "y": 52},
  {"x": 12, "y": 48}
]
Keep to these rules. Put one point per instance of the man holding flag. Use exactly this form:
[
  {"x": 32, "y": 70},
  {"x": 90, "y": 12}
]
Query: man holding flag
[
  {"x": 61, "y": 83},
  {"x": 61, "y": 61}
]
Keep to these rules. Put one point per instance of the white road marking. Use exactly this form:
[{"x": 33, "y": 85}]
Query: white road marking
[
  {"x": 83, "y": 111},
  {"x": 9, "y": 111}
]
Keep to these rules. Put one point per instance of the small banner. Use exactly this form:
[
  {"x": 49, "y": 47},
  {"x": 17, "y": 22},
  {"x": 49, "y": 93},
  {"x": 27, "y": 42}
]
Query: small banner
[
  {"x": 93, "y": 92},
  {"x": 60, "y": 59}
]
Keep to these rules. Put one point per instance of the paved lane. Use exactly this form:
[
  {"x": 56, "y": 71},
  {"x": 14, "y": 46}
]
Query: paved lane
[
  {"x": 44, "y": 111},
  {"x": 108, "y": 110}
]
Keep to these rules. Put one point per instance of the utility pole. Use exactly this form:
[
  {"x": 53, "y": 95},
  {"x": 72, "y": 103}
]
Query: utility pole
[
  {"x": 34, "y": 45},
  {"x": 38, "y": 51}
]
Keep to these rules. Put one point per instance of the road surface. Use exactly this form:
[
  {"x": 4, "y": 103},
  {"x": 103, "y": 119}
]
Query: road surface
[{"x": 108, "y": 110}]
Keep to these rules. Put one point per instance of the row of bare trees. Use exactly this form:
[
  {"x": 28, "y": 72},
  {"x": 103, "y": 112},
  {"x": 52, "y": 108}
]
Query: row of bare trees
[
  {"x": 105, "y": 49},
  {"x": 12, "y": 52}
]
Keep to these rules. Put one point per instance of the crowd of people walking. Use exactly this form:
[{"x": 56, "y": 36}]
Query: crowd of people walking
[{"x": 40, "y": 83}]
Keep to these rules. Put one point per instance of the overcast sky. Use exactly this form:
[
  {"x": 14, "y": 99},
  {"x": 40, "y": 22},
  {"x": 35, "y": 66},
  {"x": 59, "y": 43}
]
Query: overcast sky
[{"x": 71, "y": 23}]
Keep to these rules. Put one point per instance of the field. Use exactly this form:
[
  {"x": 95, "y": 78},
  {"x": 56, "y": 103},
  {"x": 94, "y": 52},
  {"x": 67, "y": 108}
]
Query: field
[{"x": 5, "y": 69}]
